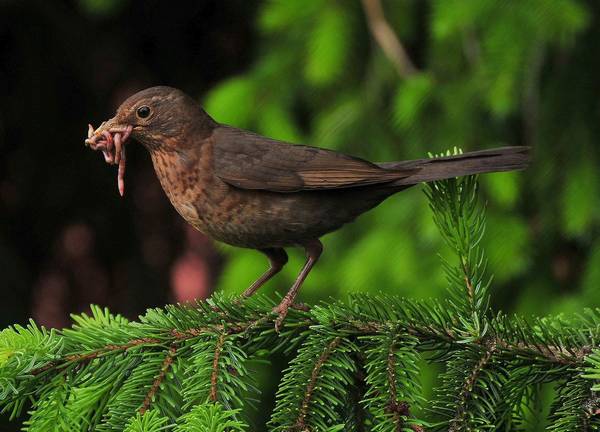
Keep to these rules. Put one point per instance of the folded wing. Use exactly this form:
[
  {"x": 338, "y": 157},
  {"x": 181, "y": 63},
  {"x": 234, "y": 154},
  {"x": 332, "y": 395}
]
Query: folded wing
[{"x": 250, "y": 161}]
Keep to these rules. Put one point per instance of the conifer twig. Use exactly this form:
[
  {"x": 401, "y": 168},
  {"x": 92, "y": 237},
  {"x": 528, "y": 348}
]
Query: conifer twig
[
  {"x": 467, "y": 389},
  {"x": 215, "y": 368},
  {"x": 300, "y": 422},
  {"x": 394, "y": 405},
  {"x": 168, "y": 361},
  {"x": 94, "y": 354}
]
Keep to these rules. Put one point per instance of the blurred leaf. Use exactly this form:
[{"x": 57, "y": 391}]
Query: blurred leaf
[
  {"x": 410, "y": 99},
  {"x": 276, "y": 71},
  {"x": 452, "y": 16},
  {"x": 279, "y": 15},
  {"x": 243, "y": 267},
  {"x": 334, "y": 123},
  {"x": 507, "y": 245},
  {"x": 504, "y": 51},
  {"x": 233, "y": 102},
  {"x": 366, "y": 269},
  {"x": 276, "y": 122},
  {"x": 580, "y": 197},
  {"x": 328, "y": 46},
  {"x": 559, "y": 19},
  {"x": 527, "y": 298},
  {"x": 567, "y": 305},
  {"x": 502, "y": 188}
]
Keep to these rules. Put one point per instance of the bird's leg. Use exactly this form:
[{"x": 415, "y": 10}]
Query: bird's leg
[
  {"x": 277, "y": 258},
  {"x": 313, "y": 250}
]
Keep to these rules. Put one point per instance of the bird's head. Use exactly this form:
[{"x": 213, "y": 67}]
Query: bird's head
[
  {"x": 161, "y": 118},
  {"x": 157, "y": 117}
]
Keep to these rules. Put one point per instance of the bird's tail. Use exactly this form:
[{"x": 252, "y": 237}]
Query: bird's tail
[{"x": 477, "y": 162}]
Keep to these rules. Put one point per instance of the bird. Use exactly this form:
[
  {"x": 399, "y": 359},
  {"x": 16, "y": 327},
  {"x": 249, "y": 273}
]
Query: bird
[{"x": 250, "y": 191}]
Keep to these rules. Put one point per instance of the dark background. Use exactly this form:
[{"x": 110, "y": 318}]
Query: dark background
[
  {"x": 487, "y": 73},
  {"x": 66, "y": 237}
]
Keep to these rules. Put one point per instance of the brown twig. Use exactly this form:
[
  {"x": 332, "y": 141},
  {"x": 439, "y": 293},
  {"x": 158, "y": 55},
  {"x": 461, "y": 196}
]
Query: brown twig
[
  {"x": 358, "y": 392},
  {"x": 554, "y": 354},
  {"x": 178, "y": 335},
  {"x": 467, "y": 389},
  {"x": 215, "y": 368},
  {"x": 168, "y": 361},
  {"x": 92, "y": 355},
  {"x": 394, "y": 405},
  {"x": 314, "y": 376},
  {"x": 470, "y": 290},
  {"x": 387, "y": 39},
  {"x": 398, "y": 409}
]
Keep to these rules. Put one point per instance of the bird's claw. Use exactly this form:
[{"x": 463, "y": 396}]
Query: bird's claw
[{"x": 281, "y": 310}]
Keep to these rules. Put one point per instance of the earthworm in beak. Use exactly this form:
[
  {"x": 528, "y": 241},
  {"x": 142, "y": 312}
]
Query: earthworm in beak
[{"x": 111, "y": 142}]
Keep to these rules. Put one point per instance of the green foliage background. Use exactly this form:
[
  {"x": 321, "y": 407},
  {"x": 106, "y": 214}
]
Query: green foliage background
[{"x": 490, "y": 73}]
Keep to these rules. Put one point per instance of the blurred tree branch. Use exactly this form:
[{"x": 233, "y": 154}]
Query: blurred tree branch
[{"x": 387, "y": 39}]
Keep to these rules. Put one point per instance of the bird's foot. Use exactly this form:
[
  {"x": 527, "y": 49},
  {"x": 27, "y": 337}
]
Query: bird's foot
[{"x": 281, "y": 310}]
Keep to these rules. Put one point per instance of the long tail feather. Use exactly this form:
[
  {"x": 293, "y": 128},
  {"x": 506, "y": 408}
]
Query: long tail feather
[{"x": 477, "y": 162}]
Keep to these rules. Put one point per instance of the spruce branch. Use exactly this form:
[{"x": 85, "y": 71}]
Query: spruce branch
[
  {"x": 383, "y": 323},
  {"x": 461, "y": 222}
]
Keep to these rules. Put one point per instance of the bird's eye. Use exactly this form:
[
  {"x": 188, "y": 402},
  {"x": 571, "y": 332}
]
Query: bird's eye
[{"x": 143, "y": 111}]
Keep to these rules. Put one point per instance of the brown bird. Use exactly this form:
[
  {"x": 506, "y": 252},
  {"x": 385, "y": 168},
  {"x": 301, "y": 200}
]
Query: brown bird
[{"x": 254, "y": 192}]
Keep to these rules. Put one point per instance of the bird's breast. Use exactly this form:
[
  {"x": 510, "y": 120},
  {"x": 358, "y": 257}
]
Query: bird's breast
[
  {"x": 251, "y": 218},
  {"x": 183, "y": 182},
  {"x": 197, "y": 194}
]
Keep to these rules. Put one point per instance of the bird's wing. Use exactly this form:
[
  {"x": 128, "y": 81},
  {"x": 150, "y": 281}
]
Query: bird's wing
[{"x": 250, "y": 161}]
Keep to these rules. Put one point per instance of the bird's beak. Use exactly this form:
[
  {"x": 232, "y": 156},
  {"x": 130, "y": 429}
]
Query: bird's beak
[
  {"x": 110, "y": 138},
  {"x": 107, "y": 132}
]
